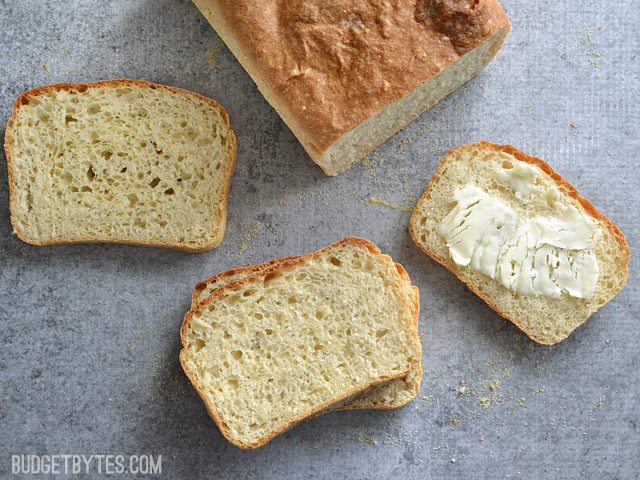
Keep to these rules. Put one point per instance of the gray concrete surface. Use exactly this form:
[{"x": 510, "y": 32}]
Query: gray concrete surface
[{"x": 89, "y": 333}]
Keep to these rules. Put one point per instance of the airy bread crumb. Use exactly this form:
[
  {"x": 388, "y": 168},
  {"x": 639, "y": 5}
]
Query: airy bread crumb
[
  {"x": 394, "y": 394},
  {"x": 119, "y": 161}
]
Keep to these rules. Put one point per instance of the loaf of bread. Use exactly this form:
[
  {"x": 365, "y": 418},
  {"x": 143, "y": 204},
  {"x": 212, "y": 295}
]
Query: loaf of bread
[
  {"x": 344, "y": 76},
  {"x": 522, "y": 238},
  {"x": 119, "y": 161},
  {"x": 294, "y": 340},
  {"x": 394, "y": 394}
]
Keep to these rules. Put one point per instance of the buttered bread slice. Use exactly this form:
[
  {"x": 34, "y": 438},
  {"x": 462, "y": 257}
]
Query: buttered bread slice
[
  {"x": 521, "y": 238},
  {"x": 394, "y": 394},
  {"x": 291, "y": 341},
  {"x": 119, "y": 161}
]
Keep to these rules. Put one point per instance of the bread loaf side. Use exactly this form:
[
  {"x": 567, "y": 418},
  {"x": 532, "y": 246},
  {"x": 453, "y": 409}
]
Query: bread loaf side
[{"x": 344, "y": 76}]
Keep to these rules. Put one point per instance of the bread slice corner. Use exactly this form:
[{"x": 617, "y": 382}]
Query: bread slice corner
[{"x": 546, "y": 320}]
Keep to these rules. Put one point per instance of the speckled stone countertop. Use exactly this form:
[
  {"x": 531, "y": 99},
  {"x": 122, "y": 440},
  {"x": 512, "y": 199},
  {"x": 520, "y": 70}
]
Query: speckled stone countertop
[{"x": 89, "y": 333}]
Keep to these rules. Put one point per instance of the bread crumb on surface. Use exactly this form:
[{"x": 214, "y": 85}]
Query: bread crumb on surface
[
  {"x": 590, "y": 36},
  {"x": 45, "y": 67},
  {"x": 371, "y": 164},
  {"x": 384, "y": 203},
  {"x": 368, "y": 440},
  {"x": 390, "y": 439},
  {"x": 212, "y": 54},
  {"x": 573, "y": 124},
  {"x": 246, "y": 241}
]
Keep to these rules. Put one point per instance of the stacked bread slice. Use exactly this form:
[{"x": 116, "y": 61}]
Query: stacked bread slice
[{"x": 269, "y": 345}]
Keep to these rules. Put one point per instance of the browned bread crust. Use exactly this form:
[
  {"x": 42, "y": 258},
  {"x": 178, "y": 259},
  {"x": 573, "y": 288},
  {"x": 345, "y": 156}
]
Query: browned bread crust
[
  {"x": 328, "y": 66},
  {"x": 256, "y": 268}
]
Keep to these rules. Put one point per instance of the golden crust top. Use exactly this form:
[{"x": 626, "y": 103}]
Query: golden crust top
[{"x": 331, "y": 65}]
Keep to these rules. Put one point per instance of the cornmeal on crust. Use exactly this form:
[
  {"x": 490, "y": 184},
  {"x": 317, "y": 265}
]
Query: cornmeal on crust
[
  {"x": 290, "y": 342},
  {"x": 394, "y": 394},
  {"x": 344, "y": 76},
  {"x": 119, "y": 161},
  {"x": 538, "y": 253}
]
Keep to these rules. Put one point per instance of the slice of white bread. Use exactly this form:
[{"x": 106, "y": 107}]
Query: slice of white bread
[
  {"x": 546, "y": 319},
  {"x": 394, "y": 394},
  {"x": 119, "y": 161},
  {"x": 292, "y": 341},
  {"x": 345, "y": 76}
]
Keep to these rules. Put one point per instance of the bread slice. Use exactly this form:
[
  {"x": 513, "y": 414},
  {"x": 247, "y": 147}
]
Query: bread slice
[
  {"x": 501, "y": 172},
  {"x": 119, "y": 161},
  {"x": 346, "y": 76},
  {"x": 292, "y": 341},
  {"x": 394, "y": 394}
]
